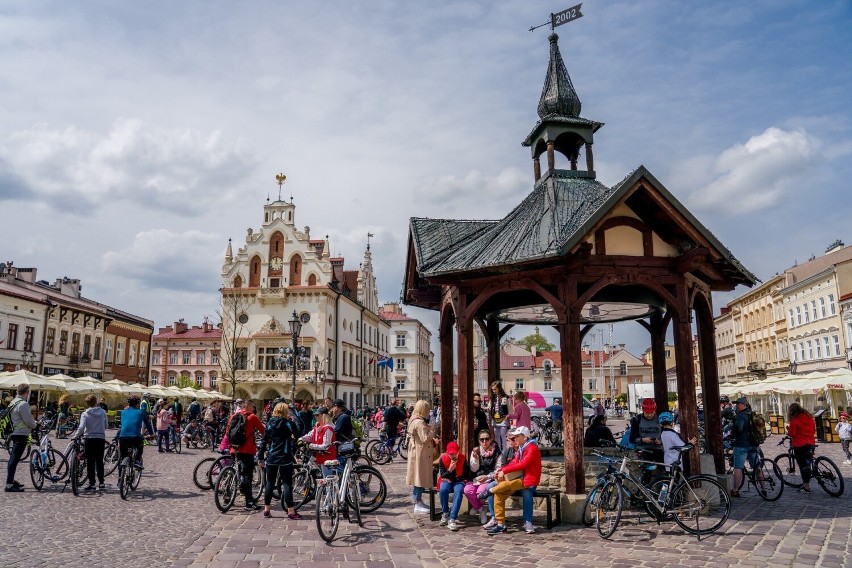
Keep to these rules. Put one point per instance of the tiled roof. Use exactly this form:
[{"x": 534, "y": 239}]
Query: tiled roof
[
  {"x": 350, "y": 280},
  {"x": 512, "y": 361},
  {"x": 195, "y": 332},
  {"x": 391, "y": 316}
]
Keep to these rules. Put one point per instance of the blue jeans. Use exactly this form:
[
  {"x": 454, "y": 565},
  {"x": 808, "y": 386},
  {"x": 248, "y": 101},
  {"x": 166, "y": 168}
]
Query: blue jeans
[
  {"x": 457, "y": 488},
  {"x": 488, "y": 487},
  {"x": 417, "y": 494},
  {"x": 527, "y": 502}
]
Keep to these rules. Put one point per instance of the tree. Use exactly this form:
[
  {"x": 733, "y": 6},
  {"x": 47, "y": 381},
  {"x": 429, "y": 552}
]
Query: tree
[
  {"x": 536, "y": 340},
  {"x": 233, "y": 354},
  {"x": 184, "y": 381}
]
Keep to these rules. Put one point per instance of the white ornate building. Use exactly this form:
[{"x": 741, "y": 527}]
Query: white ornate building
[
  {"x": 413, "y": 359},
  {"x": 279, "y": 271}
]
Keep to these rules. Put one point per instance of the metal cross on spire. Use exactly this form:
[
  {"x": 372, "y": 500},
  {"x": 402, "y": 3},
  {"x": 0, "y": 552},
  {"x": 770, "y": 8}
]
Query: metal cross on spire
[{"x": 563, "y": 17}]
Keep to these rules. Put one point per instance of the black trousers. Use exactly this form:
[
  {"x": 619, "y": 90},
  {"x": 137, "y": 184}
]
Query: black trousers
[
  {"x": 95, "y": 459},
  {"x": 247, "y": 477},
  {"x": 272, "y": 473},
  {"x": 19, "y": 444},
  {"x": 803, "y": 459}
]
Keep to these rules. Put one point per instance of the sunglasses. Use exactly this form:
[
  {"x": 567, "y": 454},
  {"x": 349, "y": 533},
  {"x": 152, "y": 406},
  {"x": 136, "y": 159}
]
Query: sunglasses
[{"x": 484, "y": 439}]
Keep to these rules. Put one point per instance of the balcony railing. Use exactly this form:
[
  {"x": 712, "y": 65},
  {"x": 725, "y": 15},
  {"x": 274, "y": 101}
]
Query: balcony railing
[{"x": 275, "y": 376}]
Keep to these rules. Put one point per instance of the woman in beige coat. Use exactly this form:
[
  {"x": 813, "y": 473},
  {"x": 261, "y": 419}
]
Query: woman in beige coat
[{"x": 421, "y": 446}]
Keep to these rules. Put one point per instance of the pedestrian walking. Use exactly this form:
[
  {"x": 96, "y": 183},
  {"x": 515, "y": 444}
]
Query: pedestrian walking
[
  {"x": 421, "y": 448},
  {"x": 164, "y": 420},
  {"x": 844, "y": 430}
]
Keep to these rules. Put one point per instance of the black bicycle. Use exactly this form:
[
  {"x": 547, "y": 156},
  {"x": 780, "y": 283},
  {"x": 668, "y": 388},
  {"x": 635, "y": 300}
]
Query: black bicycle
[
  {"x": 77, "y": 467},
  {"x": 765, "y": 476},
  {"x": 129, "y": 472},
  {"x": 825, "y": 471}
]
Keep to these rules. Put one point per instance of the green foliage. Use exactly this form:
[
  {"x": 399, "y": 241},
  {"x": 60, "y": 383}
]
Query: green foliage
[
  {"x": 184, "y": 381},
  {"x": 536, "y": 340},
  {"x": 621, "y": 399},
  {"x": 672, "y": 397}
]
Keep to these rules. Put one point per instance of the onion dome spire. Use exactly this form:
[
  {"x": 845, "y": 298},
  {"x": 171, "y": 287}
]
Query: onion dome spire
[{"x": 558, "y": 95}]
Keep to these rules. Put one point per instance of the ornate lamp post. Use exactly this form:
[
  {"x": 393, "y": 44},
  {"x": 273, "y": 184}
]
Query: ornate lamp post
[
  {"x": 28, "y": 361},
  {"x": 295, "y": 330},
  {"x": 141, "y": 375}
]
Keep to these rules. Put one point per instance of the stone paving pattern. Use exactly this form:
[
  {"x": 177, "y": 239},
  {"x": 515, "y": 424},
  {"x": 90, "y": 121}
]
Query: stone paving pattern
[{"x": 169, "y": 522}]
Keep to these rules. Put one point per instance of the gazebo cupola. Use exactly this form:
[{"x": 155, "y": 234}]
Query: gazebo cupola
[{"x": 560, "y": 127}]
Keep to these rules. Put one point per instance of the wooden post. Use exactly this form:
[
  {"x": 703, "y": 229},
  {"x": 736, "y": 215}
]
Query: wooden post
[
  {"x": 551, "y": 158},
  {"x": 686, "y": 399},
  {"x": 659, "y": 324},
  {"x": 590, "y": 159},
  {"x": 537, "y": 168},
  {"x": 572, "y": 394},
  {"x": 445, "y": 335},
  {"x": 465, "y": 405},
  {"x": 710, "y": 383},
  {"x": 493, "y": 343}
]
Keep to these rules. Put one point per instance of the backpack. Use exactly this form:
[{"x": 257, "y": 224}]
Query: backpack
[
  {"x": 756, "y": 429},
  {"x": 237, "y": 430},
  {"x": 358, "y": 428},
  {"x": 625, "y": 440},
  {"x": 6, "y": 425}
]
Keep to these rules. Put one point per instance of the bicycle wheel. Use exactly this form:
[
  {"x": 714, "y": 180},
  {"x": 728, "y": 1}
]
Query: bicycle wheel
[
  {"x": 110, "y": 458},
  {"x": 828, "y": 476},
  {"x": 75, "y": 474},
  {"x": 37, "y": 470},
  {"x": 789, "y": 470},
  {"x": 768, "y": 480},
  {"x": 353, "y": 499},
  {"x": 124, "y": 480},
  {"x": 135, "y": 478},
  {"x": 700, "y": 505},
  {"x": 327, "y": 511},
  {"x": 216, "y": 468},
  {"x": 372, "y": 488},
  {"x": 610, "y": 504},
  {"x": 403, "y": 449},
  {"x": 590, "y": 505},
  {"x": 225, "y": 489},
  {"x": 205, "y": 439},
  {"x": 257, "y": 482},
  {"x": 199, "y": 474},
  {"x": 303, "y": 488},
  {"x": 176, "y": 443},
  {"x": 378, "y": 452}
]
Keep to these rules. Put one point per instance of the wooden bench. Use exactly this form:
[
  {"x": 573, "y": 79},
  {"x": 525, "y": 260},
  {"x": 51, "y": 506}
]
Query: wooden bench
[{"x": 551, "y": 497}]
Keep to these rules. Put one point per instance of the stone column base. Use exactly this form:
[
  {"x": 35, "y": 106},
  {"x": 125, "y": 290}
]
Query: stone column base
[{"x": 572, "y": 508}]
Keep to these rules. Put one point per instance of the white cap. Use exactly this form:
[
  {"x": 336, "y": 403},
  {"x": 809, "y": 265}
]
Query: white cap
[{"x": 520, "y": 431}]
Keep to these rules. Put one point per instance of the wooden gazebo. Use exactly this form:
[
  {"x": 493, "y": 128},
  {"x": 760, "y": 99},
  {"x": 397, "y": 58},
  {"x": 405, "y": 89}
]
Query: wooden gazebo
[{"x": 575, "y": 253}]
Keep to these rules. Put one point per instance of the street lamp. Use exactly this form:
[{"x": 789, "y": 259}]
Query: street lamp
[
  {"x": 295, "y": 329},
  {"x": 28, "y": 361},
  {"x": 141, "y": 375}
]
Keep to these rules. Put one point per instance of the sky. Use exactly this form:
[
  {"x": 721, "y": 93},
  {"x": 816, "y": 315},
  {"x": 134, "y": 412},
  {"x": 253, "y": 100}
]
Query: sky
[{"x": 137, "y": 137}]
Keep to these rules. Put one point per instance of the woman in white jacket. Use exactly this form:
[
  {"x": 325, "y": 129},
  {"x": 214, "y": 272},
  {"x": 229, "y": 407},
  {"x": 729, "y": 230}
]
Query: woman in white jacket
[{"x": 93, "y": 425}]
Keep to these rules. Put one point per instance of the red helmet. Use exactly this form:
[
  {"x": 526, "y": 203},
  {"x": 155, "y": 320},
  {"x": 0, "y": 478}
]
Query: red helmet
[{"x": 649, "y": 405}]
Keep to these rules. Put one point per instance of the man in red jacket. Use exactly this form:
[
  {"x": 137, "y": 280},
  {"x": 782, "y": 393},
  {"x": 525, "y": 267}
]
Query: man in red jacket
[
  {"x": 246, "y": 451},
  {"x": 527, "y": 462}
]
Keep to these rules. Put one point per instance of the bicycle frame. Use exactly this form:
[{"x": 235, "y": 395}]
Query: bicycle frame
[{"x": 674, "y": 479}]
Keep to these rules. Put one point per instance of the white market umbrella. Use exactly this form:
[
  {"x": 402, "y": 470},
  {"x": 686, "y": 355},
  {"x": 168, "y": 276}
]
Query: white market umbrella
[
  {"x": 11, "y": 381},
  {"x": 73, "y": 386}
]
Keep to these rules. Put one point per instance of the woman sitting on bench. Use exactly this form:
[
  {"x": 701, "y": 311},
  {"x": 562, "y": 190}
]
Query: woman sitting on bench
[{"x": 485, "y": 460}]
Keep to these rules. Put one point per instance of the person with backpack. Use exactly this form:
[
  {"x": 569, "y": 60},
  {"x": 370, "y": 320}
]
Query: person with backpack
[
  {"x": 393, "y": 416},
  {"x": 145, "y": 407},
  {"x": 22, "y": 423},
  {"x": 194, "y": 410},
  {"x": 276, "y": 456},
  {"x": 241, "y": 429},
  {"x": 744, "y": 446}
]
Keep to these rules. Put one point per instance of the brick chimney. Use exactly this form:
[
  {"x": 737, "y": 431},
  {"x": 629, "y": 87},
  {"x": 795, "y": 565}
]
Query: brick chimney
[{"x": 180, "y": 326}]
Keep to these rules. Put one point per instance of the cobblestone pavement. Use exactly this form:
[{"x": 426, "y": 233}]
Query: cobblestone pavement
[{"x": 169, "y": 522}]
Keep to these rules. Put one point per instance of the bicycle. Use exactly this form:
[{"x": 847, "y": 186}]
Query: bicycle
[
  {"x": 111, "y": 457},
  {"x": 336, "y": 495},
  {"x": 77, "y": 468},
  {"x": 175, "y": 438},
  {"x": 634, "y": 499},
  {"x": 825, "y": 471},
  {"x": 766, "y": 477},
  {"x": 129, "y": 472},
  {"x": 372, "y": 488},
  {"x": 46, "y": 462},
  {"x": 383, "y": 450},
  {"x": 689, "y": 499},
  {"x": 227, "y": 484}
]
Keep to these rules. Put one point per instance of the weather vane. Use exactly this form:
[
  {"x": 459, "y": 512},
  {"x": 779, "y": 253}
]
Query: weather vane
[
  {"x": 562, "y": 17},
  {"x": 369, "y": 235},
  {"x": 281, "y": 178}
]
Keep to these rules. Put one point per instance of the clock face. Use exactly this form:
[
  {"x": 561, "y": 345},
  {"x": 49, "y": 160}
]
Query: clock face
[{"x": 276, "y": 263}]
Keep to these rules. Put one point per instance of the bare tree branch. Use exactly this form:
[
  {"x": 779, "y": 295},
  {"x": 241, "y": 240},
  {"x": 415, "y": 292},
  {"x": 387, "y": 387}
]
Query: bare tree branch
[{"x": 232, "y": 314}]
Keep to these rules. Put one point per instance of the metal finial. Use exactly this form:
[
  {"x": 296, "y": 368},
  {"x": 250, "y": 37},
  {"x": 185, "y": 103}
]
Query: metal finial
[
  {"x": 369, "y": 236},
  {"x": 281, "y": 178}
]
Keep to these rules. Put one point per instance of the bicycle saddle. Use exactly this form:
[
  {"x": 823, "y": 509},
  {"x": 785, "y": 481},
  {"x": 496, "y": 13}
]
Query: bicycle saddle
[{"x": 683, "y": 448}]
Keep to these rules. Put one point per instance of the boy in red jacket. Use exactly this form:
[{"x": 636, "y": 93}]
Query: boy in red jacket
[{"x": 527, "y": 461}]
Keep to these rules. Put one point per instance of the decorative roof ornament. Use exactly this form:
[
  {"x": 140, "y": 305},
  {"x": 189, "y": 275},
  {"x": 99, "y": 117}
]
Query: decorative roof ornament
[
  {"x": 281, "y": 178},
  {"x": 558, "y": 96}
]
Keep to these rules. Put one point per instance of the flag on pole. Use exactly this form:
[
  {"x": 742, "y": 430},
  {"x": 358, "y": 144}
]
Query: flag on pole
[
  {"x": 566, "y": 16},
  {"x": 385, "y": 361}
]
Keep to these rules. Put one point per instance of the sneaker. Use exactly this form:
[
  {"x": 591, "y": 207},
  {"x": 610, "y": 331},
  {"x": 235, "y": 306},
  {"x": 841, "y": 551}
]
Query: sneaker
[
  {"x": 847, "y": 462},
  {"x": 251, "y": 506},
  {"x": 483, "y": 516},
  {"x": 267, "y": 514},
  {"x": 13, "y": 489},
  {"x": 102, "y": 486},
  {"x": 445, "y": 518},
  {"x": 17, "y": 483},
  {"x": 497, "y": 529},
  {"x": 294, "y": 516},
  {"x": 452, "y": 525},
  {"x": 89, "y": 488},
  {"x": 421, "y": 509},
  {"x": 804, "y": 490},
  {"x": 490, "y": 524},
  {"x": 528, "y": 526},
  {"x": 483, "y": 496}
]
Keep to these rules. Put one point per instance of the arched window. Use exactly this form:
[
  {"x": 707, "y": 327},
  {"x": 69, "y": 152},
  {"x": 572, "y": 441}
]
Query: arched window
[
  {"x": 254, "y": 273},
  {"x": 155, "y": 378},
  {"x": 296, "y": 270},
  {"x": 238, "y": 281},
  {"x": 548, "y": 368},
  {"x": 276, "y": 250},
  {"x": 622, "y": 368},
  {"x": 312, "y": 280}
]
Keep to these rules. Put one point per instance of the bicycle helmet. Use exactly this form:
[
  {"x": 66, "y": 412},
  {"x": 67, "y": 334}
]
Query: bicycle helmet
[
  {"x": 649, "y": 405},
  {"x": 665, "y": 418},
  {"x": 724, "y": 398},
  {"x": 146, "y": 395}
]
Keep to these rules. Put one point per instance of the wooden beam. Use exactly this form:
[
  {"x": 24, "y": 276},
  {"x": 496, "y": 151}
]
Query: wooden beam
[{"x": 572, "y": 394}]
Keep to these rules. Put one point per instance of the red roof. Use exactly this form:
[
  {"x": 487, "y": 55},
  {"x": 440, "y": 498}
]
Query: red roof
[
  {"x": 437, "y": 376},
  {"x": 195, "y": 332},
  {"x": 394, "y": 316},
  {"x": 513, "y": 361},
  {"x": 350, "y": 280}
]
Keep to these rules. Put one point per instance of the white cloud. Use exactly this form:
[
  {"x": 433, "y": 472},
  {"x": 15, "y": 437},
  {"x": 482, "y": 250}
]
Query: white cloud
[
  {"x": 160, "y": 168},
  {"x": 166, "y": 260},
  {"x": 756, "y": 175}
]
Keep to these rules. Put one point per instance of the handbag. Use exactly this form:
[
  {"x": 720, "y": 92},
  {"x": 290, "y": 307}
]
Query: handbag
[{"x": 512, "y": 475}]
